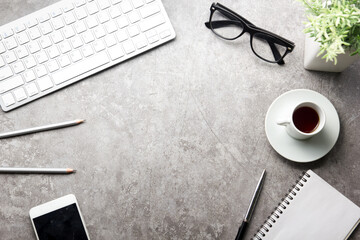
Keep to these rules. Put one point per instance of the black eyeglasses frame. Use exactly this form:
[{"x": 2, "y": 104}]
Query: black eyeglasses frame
[{"x": 249, "y": 27}]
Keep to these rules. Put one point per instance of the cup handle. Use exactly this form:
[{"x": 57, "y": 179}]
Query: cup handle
[{"x": 283, "y": 122}]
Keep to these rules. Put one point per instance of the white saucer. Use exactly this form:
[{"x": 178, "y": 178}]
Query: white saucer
[{"x": 301, "y": 150}]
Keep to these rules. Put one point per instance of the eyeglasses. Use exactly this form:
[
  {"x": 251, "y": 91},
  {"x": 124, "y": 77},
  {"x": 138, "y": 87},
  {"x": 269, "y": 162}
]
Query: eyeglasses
[{"x": 229, "y": 25}]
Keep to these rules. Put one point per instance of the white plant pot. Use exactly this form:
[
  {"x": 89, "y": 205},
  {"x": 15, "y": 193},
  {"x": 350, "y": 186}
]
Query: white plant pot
[{"x": 312, "y": 62}]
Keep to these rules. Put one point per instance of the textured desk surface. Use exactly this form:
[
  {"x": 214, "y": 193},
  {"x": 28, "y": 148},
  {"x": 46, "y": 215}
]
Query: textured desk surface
[{"x": 174, "y": 140}]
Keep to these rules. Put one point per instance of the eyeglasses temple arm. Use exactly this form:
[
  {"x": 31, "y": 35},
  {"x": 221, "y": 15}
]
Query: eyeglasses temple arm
[
  {"x": 231, "y": 16},
  {"x": 276, "y": 53},
  {"x": 274, "y": 50}
]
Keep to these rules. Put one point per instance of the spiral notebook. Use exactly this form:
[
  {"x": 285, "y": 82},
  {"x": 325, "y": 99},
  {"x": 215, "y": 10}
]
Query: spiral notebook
[{"x": 312, "y": 210}]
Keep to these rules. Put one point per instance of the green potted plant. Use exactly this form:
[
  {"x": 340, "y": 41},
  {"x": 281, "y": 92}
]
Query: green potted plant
[{"x": 332, "y": 34}]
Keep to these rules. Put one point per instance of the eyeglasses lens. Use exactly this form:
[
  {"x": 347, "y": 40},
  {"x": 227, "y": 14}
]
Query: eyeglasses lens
[
  {"x": 224, "y": 27},
  {"x": 268, "y": 47}
]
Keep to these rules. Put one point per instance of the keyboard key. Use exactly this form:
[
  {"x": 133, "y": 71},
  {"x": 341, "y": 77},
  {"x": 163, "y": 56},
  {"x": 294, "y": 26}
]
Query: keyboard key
[
  {"x": 126, "y": 6},
  {"x": 92, "y": 8},
  {"x": 20, "y": 94},
  {"x": 111, "y": 27},
  {"x": 45, "y": 42},
  {"x": 67, "y": 6},
  {"x": 88, "y": 37},
  {"x": 80, "y": 13},
  {"x": 75, "y": 56},
  {"x": 134, "y": 17},
  {"x": 29, "y": 75},
  {"x": 53, "y": 52},
  {"x": 114, "y": 12},
  {"x": 5, "y": 72},
  {"x": 8, "y": 99},
  {"x": 65, "y": 47},
  {"x": 10, "y": 43},
  {"x": 11, "y": 83},
  {"x": 121, "y": 35},
  {"x": 64, "y": 61},
  {"x": 56, "y": 37},
  {"x": 140, "y": 41},
  {"x": 18, "y": 67},
  {"x": 31, "y": 22},
  {"x": 87, "y": 51},
  {"x": 55, "y": 12},
  {"x": 110, "y": 40},
  {"x": 44, "y": 83},
  {"x": 133, "y": 31},
  {"x": 19, "y": 28},
  {"x": 40, "y": 71},
  {"x": 41, "y": 57},
  {"x": 22, "y": 38},
  {"x": 79, "y": 68},
  {"x": 99, "y": 46},
  {"x": 103, "y": 17},
  {"x": 2, "y": 63},
  {"x": 137, "y": 3},
  {"x": 31, "y": 89},
  {"x": 80, "y": 27},
  {"x": 149, "y": 10},
  {"x": 68, "y": 32},
  {"x": 34, "y": 33},
  {"x": 151, "y": 22},
  {"x": 45, "y": 28},
  {"x": 21, "y": 52},
  {"x": 165, "y": 34},
  {"x": 5, "y": 33},
  {"x": 76, "y": 42},
  {"x": 33, "y": 47},
  {"x": 128, "y": 46},
  {"x": 2, "y": 47},
  {"x": 103, "y": 4},
  {"x": 122, "y": 21},
  {"x": 52, "y": 66},
  {"x": 91, "y": 21},
  {"x": 116, "y": 52},
  {"x": 69, "y": 18},
  {"x": 10, "y": 57},
  {"x": 79, "y": 3},
  {"x": 99, "y": 32},
  {"x": 44, "y": 17},
  {"x": 151, "y": 33},
  {"x": 57, "y": 23},
  {"x": 30, "y": 62}
]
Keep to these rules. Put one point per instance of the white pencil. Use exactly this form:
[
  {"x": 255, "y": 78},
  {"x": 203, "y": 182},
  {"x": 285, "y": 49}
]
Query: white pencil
[
  {"x": 42, "y": 128},
  {"x": 37, "y": 170}
]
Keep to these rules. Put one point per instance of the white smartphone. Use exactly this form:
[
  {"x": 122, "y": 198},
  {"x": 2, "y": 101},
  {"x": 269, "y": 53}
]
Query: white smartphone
[{"x": 59, "y": 219}]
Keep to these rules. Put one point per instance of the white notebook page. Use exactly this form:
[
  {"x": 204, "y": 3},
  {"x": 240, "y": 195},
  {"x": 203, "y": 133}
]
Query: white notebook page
[{"x": 318, "y": 211}]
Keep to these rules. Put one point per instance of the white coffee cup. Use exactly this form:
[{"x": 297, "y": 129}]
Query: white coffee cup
[{"x": 294, "y": 130}]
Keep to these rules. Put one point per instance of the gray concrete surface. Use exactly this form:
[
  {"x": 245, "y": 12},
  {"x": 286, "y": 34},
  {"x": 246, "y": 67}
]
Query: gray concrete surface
[{"x": 174, "y": 140}]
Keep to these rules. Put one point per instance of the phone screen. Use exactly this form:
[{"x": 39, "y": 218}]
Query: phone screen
[{"x": 63, "y": 224}]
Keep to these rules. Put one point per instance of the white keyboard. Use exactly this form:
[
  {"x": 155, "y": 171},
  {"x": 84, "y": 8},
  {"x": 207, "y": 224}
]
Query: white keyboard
[{"x": 70, "y": 40}]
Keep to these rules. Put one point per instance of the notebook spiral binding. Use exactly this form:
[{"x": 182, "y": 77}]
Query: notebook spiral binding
[{"x": 276, "y": 214}]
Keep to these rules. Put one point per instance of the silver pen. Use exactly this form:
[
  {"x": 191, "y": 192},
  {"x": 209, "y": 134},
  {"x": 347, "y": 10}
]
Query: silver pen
[
  {"x": 42, "y": 128},
  {"x": 242, "y": 228}
]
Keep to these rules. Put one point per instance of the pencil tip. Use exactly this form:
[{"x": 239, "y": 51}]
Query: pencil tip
[
  {"x": 70, "y": 170},
  {"x": 80, "y": 121}
]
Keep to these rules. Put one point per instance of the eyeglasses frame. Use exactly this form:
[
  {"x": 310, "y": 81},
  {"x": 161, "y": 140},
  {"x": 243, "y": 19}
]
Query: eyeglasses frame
[{"x": 252, "y": 30}]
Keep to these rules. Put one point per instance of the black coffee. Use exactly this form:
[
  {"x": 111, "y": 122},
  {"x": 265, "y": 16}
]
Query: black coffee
[{"x": 306, "y": 119}]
